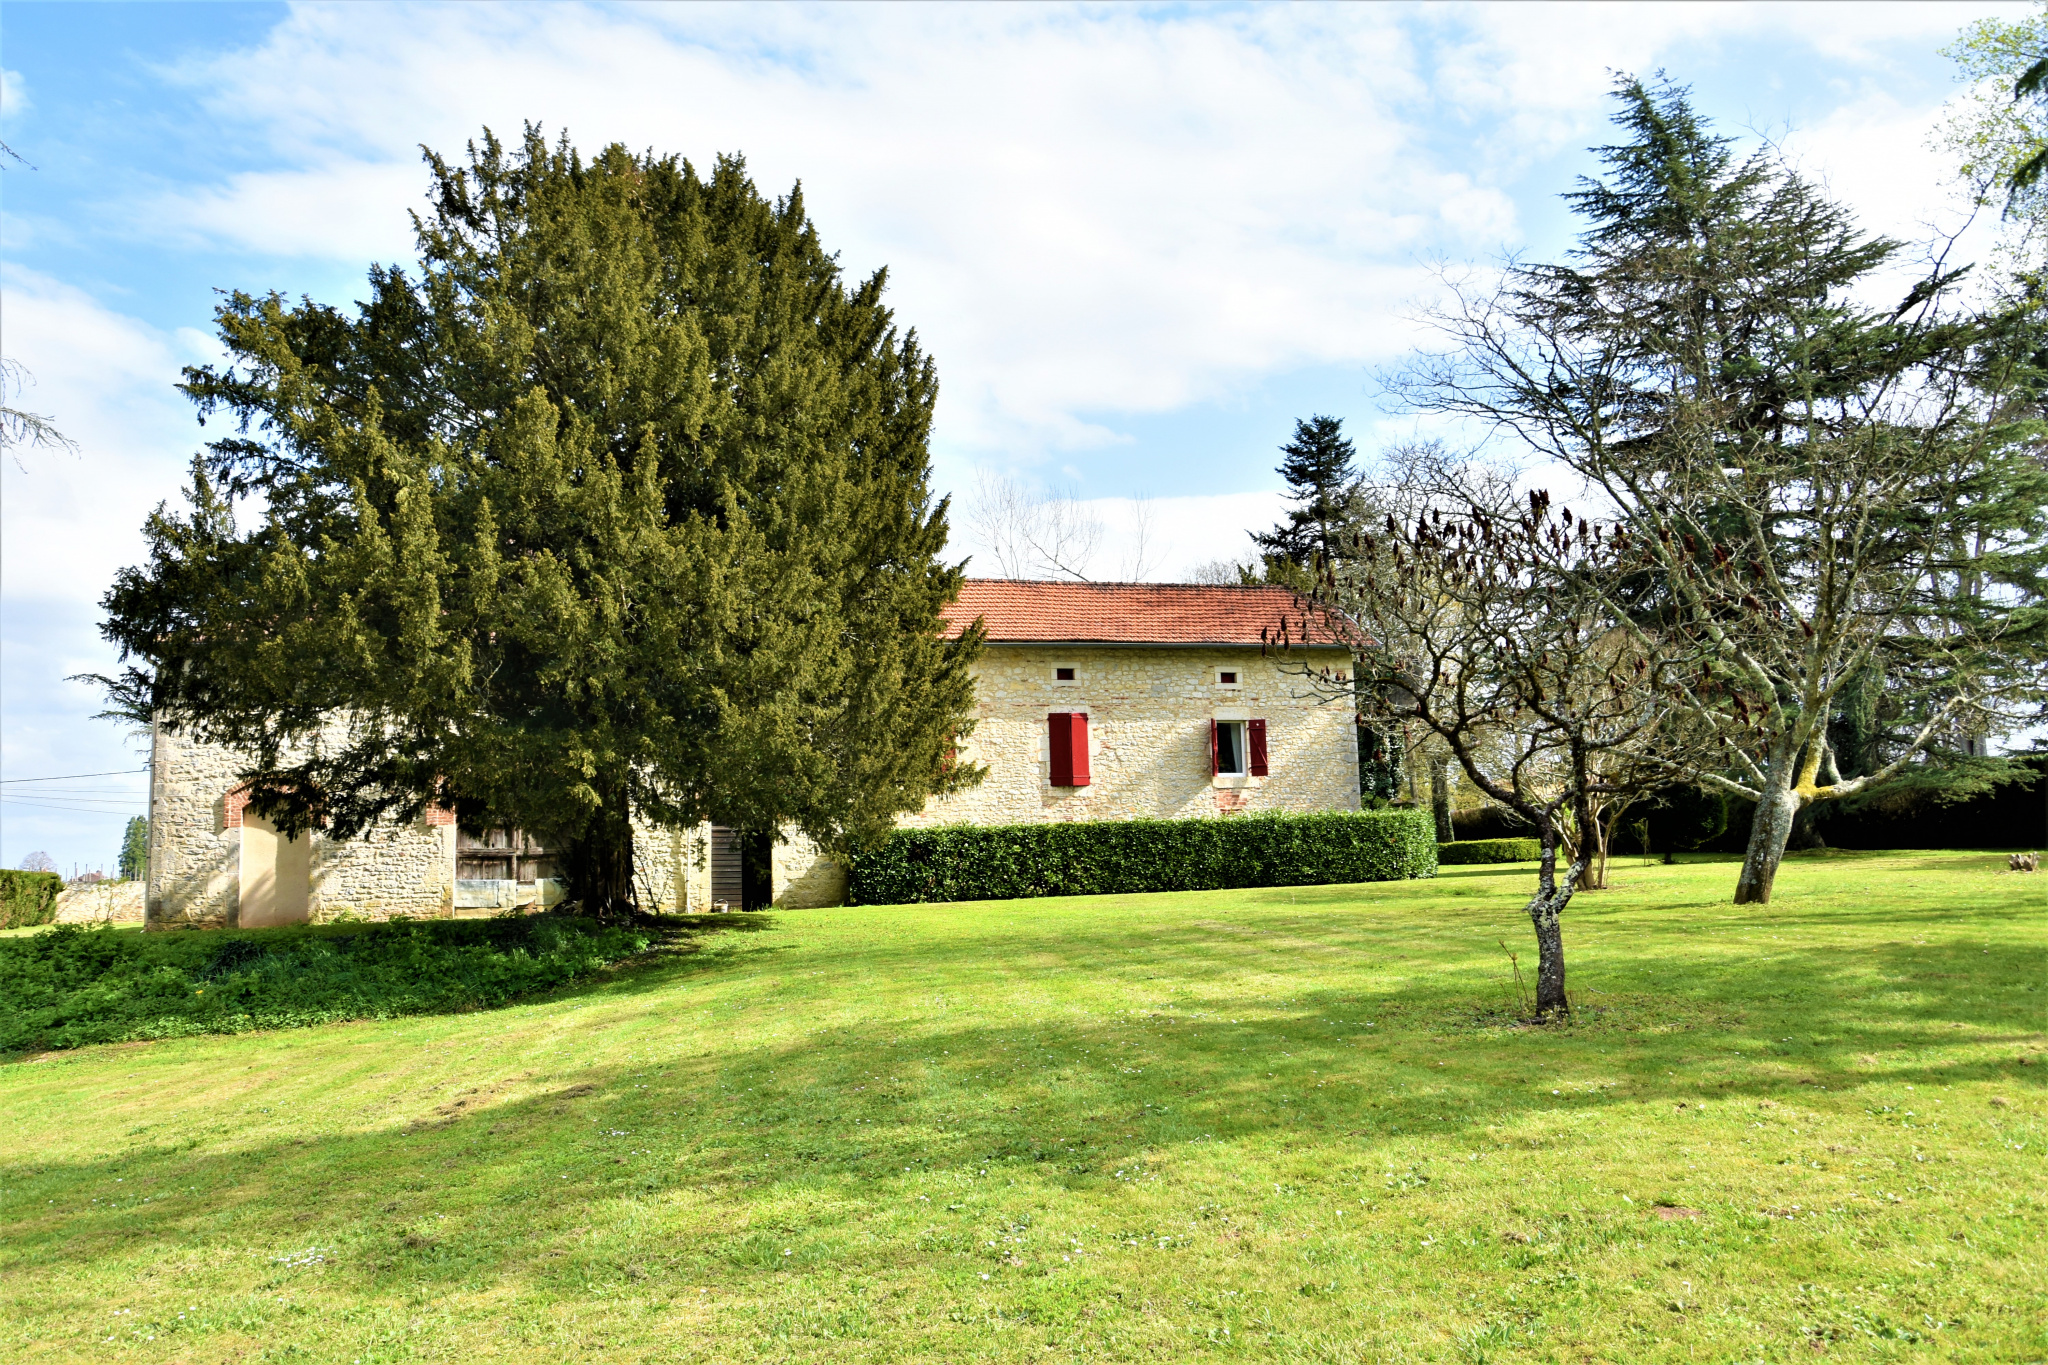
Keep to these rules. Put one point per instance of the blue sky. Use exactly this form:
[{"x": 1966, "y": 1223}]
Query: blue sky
[{"x": 1140, "y": 240}]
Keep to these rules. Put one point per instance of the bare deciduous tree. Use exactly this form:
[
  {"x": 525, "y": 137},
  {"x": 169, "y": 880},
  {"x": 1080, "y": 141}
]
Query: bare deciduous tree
[
  {"x": 1229, "y": 573},
  {"x": 20, "y": 427},
  {"x": 1053, "y": 534},
  {"x": 1486, "y": 627}
]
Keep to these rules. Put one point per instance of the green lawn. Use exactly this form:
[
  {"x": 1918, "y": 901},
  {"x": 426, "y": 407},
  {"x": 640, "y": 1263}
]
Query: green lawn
[{"x": 1269, "y": 1125}]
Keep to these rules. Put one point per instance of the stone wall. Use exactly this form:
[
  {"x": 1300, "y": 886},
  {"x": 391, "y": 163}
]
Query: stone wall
[
  {"x": 392, "y": 870},
  {"x": 108, "y": 902},
  {"x": 673, "y": 870},
  {"x": 804, "y": 877},
  {"x": 194, "y": 858},
  {"x": 195, "y": 851},
  {"x": 1149, "y": 712}
]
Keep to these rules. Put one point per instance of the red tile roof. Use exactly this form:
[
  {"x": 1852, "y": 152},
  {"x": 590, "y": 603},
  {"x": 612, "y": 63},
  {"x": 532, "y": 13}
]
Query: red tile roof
[{"x": 1136, "y": 613}]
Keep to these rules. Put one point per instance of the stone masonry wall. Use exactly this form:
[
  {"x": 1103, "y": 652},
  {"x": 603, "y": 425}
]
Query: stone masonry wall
[
  {"x": 107, "y": 902},
  {"x": 673, "y": 869},
  {"x": 1148, "y": 737},
  {"x": 1148, "y": 712},
  {"x": 194, "y": 858},
  {"x": 195, "y": 852}
]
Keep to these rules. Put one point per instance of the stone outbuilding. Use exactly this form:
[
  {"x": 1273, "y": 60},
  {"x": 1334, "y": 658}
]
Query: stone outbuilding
[{"x": 1107, "y": 701}]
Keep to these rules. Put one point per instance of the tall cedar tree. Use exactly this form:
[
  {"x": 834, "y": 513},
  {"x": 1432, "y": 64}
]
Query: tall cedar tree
[
  {"x": 618, "y": 504},
  {"x": 1822, "y": 492},
  {"x": 1319, "y": 471}
]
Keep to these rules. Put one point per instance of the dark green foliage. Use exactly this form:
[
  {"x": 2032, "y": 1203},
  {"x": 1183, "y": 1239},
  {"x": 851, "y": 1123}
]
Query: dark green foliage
[
  {"x": 27, "y": 898},
  {"x": 135, "y": 849},
  {"x": 1465, "y": 852},
  {"x": 2012, "y": 816},
  {"x": 1113, "y": 857},
  {"x": 1490, "y": 821},
  {"x": 1319, "y": 475},
  {"x": 1380, "y": 758},
  {"x": 1683, "y": 818},
  {"x": 68, "y": 987},
  {"x": 616, "y": 503}
]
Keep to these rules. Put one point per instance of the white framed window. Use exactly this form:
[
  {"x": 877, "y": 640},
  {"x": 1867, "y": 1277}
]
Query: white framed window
[
  {"x": 1237, "y": 748},
  {"x": 1230, "y": 748},
  {"x": 1226, "y": 677},
  {"x": 1066, "y": 675}
]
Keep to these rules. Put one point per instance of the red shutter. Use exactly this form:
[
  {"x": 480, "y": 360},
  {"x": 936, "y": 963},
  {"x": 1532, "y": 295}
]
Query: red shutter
[
  {"x": 1212, "y": 749},
  {"x": 1067, "y": 736},
  {"x": 1255, "y": 733}
]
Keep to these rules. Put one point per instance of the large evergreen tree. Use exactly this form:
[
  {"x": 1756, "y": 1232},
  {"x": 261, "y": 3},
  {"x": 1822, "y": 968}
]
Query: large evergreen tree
[
  {"x": 1319, "y": 470},
  {"x": 616, "y": 504}
]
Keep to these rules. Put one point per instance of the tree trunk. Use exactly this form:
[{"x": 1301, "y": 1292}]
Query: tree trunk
[
  {"x": 1768, "y": 831},
  {"x": 1600, "y": 834},
  {"x": 600, "y": 860},
  {"x": 1546, "y": 912},
  {"x": 1440, "y": 797}
]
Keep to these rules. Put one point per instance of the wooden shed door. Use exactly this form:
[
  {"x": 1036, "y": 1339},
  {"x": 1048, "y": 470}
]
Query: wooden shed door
[{"x": 740, "y": 869}]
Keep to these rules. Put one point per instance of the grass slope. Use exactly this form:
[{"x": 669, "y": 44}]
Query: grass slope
[
  {"x": 1231, "y": 1125},
  {"x": 72, "y": 986}
]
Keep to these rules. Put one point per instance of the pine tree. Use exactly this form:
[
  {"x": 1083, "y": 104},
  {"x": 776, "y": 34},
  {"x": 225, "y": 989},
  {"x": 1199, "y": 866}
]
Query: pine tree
[
  {"x": 1319, "y": 471},
  {"x": 616, "y": 506},
  {"x": 134, "y": 862}
]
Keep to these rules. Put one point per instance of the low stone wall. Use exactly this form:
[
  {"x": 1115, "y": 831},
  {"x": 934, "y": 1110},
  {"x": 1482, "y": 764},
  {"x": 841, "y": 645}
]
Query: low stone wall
[{"x": 101, "y": 903}]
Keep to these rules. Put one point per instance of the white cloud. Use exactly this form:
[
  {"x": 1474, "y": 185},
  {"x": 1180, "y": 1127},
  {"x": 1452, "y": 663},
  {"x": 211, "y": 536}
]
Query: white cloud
[
  {"x": 1158, "y": 540},
  {"x": 73, "y": 519},
  {"x": 1184, "y": 533},
  {"x": 1085, "y": 210},
  {"x": 14, "y": 98},
  {"x": 106, "y": 381}
]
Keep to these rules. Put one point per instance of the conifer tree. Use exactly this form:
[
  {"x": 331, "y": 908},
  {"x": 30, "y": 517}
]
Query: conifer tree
[
  {"x": 1821, "y": 495},
  {"x": 134, "y": 861},
  {"x": 615, "y": 505},
  {"x": 1319, "y": 471}
]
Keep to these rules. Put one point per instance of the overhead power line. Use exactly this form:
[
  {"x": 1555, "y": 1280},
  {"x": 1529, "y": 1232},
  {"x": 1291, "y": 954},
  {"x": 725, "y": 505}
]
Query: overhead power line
[
  {"x": 129, "y": 808},
  {"x": 71, "y": 777}
]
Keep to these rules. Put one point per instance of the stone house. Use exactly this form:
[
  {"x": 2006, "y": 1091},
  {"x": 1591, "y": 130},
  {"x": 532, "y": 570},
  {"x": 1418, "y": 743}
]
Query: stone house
[
  {"x": 1115, "y": 701},
  {"x": 1095, "y": 702}
]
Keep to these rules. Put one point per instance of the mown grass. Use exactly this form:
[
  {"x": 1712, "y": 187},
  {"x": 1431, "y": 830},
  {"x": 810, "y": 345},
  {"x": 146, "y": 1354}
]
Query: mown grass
[{"x": 1221, "y": 1125}]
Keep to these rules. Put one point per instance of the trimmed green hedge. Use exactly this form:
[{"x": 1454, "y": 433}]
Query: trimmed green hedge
[
  {"x": 28, "y": 898},
  {"x": 1465, "y": 851},
  {"x": 69, "y": 986},
  {"x": 1106, "y": 857}
]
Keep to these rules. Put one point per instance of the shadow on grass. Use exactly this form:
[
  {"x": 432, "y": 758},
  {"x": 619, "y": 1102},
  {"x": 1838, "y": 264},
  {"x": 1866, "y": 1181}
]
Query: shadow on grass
[{"x": 836, "y": 1119}]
